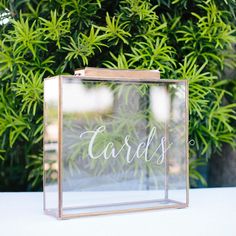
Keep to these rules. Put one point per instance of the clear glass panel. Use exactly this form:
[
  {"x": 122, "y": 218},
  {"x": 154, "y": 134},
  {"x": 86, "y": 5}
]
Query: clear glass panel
[
  {"x": 123, "y": 145},
  {"x": 51, "y": 95},
  {"x": 177, "y": 138}
]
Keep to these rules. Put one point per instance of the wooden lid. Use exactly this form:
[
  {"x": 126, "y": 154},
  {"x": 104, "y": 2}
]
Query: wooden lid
[{"x": 103, "y": 73}]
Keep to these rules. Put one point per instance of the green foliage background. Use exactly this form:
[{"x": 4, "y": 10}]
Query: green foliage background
[{"x": 184, "y": 39}]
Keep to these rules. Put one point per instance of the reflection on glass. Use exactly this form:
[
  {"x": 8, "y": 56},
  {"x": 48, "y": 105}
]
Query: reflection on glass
[
  {"x": 160, "y": 95},
  {"x": 51, "y": 95}
]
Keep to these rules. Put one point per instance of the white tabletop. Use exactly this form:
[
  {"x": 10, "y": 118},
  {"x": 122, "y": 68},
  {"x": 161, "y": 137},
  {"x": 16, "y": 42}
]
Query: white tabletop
[{"x": 211, "y": 212}]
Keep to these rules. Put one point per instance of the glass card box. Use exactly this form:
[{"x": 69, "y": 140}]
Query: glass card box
[{"x": 114, "y": 141}]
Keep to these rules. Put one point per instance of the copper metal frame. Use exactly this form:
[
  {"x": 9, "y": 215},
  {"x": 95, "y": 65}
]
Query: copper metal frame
[{"x": 98, "y": 77}]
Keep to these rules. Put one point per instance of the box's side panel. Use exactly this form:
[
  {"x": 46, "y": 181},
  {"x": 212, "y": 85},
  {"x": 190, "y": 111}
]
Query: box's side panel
[
  {"x": 187, "y": 143},
  {"x": 51, "y": 139},
  {"x": 177, "y": 141}
]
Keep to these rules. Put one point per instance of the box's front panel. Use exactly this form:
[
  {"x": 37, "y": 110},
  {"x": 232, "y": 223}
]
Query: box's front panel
[
  {"x": 51, "y": 103},
  {"x": 116, "y": 142}
]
